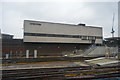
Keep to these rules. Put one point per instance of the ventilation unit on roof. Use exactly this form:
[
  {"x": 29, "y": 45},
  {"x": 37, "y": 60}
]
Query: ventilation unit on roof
[{"x": 81, "y": 24}]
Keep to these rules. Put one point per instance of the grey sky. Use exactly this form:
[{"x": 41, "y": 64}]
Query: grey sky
[{"x": 90, "y": 13}]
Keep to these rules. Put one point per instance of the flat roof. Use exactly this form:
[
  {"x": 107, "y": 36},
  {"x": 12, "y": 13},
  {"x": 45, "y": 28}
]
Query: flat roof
[
  {"x": 62, "y": 23},
  {"x": 7, "y": 34},
  {"x": 113, "y": 38},
  {"x": 102, "y": 61}
]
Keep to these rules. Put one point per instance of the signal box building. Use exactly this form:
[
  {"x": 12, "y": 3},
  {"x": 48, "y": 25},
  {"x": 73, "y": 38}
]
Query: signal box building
[{"x": 52, "y": 39}]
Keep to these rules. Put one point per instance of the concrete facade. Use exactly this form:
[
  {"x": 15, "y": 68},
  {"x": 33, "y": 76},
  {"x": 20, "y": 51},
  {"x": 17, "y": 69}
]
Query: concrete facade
[{"x": 37, "y": 31}]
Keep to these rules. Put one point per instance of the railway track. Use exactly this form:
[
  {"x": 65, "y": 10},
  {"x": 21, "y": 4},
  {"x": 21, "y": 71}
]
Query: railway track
[{"x": 63, "y": 73}]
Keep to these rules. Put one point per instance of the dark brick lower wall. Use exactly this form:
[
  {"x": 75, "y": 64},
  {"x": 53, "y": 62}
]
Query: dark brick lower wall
[{"x": 15, "y": 49}]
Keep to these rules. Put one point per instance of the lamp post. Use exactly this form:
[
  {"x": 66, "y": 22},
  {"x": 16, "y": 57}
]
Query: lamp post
[{"x": 106, "y": 51}]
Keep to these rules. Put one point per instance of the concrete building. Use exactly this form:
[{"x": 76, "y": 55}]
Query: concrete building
[
  {"x": 47, "y": 32},
  {"x": 51, "y": 39}
]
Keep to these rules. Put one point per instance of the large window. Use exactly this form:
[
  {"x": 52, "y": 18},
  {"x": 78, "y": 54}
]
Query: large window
[{"x": 65, "y": 36}]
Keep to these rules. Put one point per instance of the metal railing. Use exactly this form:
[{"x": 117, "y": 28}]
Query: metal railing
[{"x": 90, "y": 49}]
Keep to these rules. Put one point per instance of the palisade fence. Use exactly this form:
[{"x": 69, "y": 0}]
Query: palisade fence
[{"x": 90, "y": 49}]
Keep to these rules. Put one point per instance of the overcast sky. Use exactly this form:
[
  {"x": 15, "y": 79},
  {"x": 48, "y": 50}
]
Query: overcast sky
[{"x": 91, "y": 13}]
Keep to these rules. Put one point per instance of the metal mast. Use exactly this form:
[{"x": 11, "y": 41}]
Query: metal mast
[{"x": 113, "y": 25}]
